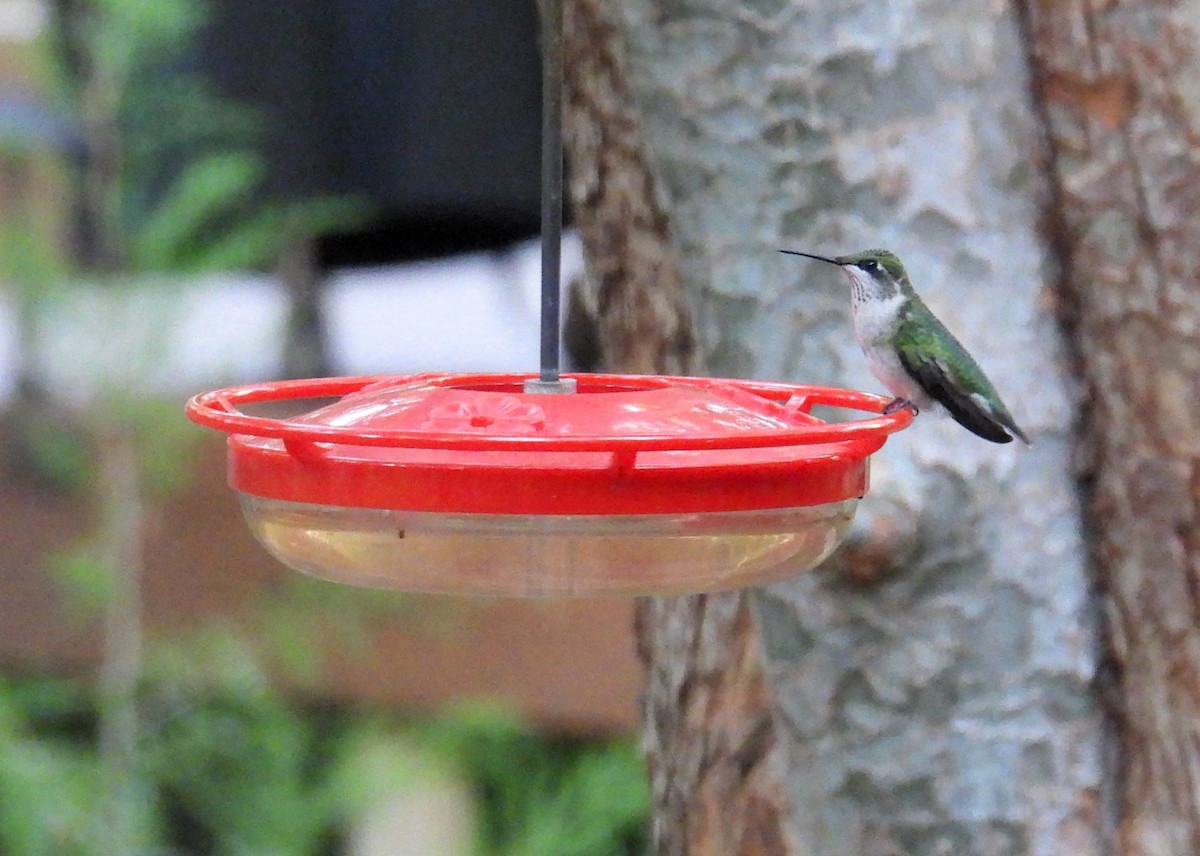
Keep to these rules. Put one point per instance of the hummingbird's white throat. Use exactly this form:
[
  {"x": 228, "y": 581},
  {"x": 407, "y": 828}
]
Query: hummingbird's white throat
[
  {"x": 876, "y": 310},
  {"x": 865, "y": 287}
]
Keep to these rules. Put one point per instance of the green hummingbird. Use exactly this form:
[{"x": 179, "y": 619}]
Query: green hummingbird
[{"x": 911, "y": 351}]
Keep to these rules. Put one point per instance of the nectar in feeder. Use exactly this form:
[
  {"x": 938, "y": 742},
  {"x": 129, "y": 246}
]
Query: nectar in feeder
[{"x": 470, "y": 484}]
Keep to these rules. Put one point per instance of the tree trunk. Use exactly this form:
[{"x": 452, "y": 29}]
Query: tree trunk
[
  {"x": 931, "y": 691},
  {"x": 633, "y": 276},
  {"x": 710, "y": 738},
  {"x": 305, "y": 351},
  {"x": 1117, "y": 84}
]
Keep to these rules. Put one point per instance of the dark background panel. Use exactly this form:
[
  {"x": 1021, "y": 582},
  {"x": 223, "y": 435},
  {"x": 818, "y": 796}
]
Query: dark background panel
[{"x": 428, "y": 109}]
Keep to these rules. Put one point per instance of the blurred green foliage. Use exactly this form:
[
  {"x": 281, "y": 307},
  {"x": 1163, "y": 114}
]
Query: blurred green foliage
[
  {"x": 542, "y": 796},
  {"x": 172, "y": 182},
  {"x": 173, "y": 176},
  {"x": 159, "y": 178},
  {"x": 230, "y": 768}
]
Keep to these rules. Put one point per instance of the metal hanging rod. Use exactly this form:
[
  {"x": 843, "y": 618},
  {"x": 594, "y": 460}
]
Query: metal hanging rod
[{"x": 552, "y": 197}]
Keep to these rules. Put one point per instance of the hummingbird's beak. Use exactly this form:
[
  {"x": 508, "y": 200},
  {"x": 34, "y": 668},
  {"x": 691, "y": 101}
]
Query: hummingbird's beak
[{"x": 811, "y": 256}]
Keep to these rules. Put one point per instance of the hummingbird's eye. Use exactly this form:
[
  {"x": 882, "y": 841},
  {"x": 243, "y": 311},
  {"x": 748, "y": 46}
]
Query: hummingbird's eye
[{"x": 870, "y": 265}]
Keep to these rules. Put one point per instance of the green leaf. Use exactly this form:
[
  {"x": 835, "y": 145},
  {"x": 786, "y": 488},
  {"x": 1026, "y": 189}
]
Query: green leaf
[
  {"x": 255, "y": 240},
  {"x": 207, "y": 189},
  {"x": 124, "y": 35}
]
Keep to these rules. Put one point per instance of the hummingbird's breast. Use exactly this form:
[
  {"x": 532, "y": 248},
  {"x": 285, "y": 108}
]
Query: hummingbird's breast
[
  {"x": 876, "y": 320},
  {"x": 875, "y": 326}
]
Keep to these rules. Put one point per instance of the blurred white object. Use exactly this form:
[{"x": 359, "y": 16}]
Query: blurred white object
[
  {"x": 22, "y": 20},
  {"x": 435, "y": 819},
  {"x": 478, "y": 312},
  {"x": 159, "y": 338}
]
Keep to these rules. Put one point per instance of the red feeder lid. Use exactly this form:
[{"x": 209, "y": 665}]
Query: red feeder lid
[{"x": 479, "y": 444}]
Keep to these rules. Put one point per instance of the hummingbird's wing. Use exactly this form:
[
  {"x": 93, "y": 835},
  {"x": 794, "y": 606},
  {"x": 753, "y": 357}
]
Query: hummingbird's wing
[{"x": 942, "y": 367}]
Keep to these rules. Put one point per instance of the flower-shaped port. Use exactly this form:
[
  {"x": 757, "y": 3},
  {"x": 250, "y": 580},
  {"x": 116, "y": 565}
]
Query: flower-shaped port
[{"x": 506, "y": 415}]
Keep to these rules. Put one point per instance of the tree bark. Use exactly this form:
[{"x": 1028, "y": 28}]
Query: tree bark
[
  {"x": 717, "y": 772},
  {"x": 633, "y": 279},
  {"x": 709, "y": 736},
  {"x": 931, "y": 692},
  {"x": 1117, "y": 84}
]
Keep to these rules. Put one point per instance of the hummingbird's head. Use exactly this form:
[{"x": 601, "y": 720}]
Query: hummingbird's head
[{"x": 873, "y": 274}]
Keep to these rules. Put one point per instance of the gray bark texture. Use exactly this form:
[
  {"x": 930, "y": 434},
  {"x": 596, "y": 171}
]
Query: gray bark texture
[
  {"x": 1119, "y": 85},
  {"x": 715, "y": 762},
  {"x": 931, "y": 690}
]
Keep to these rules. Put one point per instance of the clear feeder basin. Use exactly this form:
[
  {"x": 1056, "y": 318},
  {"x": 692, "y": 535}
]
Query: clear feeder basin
[
  {"x": 468, "y": 484},
  {"x": 547, "y": 554}
]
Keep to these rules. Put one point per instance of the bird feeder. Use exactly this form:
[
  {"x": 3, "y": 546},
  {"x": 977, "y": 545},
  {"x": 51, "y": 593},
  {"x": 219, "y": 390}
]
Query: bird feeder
[
  {"x": 469, "y": 483},
  {"x": 542, "y": 484}
]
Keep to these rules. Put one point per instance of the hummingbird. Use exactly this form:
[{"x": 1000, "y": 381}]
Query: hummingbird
[{"x": 912, "y": 353}]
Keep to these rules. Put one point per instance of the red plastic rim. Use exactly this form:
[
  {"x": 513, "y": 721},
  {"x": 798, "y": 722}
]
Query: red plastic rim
[{"x": 477, "y": 443}]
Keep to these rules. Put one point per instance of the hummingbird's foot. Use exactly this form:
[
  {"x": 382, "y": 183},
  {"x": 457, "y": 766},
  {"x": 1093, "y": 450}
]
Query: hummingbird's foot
[{"x": 898, "y": 403}]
